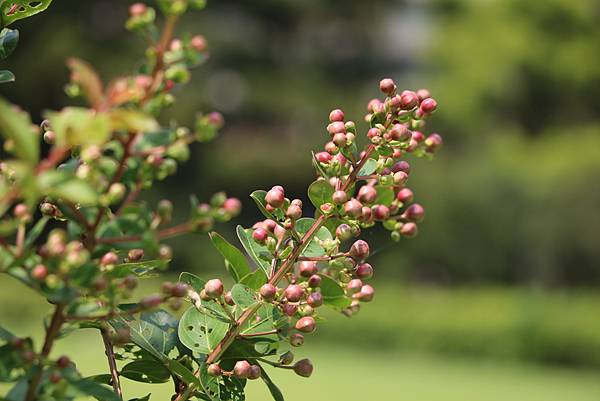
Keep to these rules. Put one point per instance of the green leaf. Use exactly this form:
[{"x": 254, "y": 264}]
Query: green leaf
[
  {"x": 210, "y": 384},
  {"x": 368, "y": 168},
  {"x": 75, "y": 190},
  {"x": 201, "y": 332},
  {"x": 84, "y": 75},
  {"x": 243, "y": 296},
  {"x": 155, "y": 332},
  {"x": 259, "y": 198},
  {"x": 36, "y": 231},
  {"x": 139, "y": 269},
  {"x": 183, "y": 372},
  {"x": 255, "y": 279},
  {"x": 317, "y": 165},
  {"x": 91, "y": 387},
  {"x": 385, "y": 195},
  {"x": 27, "y": 9},
  {"x": 333, "y": 294},
  {"x": 146, "y": 371},
  {"x": 268, "y": 317},
  {"x": 320, "y": 192},
  {"x": 237, "y": 265},
  {"x": 192, "y": 280},
  {"x": 6, "y": 76},
  {"x": 144, "y": 398},
  {"x": 9, "y": 38},
  {"x": 16, "y": 125},
  {"x": 273, "y": 389},
  {"x": 76, "y": 126},
  {"x": 132, "y": 121},
  {"x": 259, "y": 253},
  {"x": 313, "y": 248}
]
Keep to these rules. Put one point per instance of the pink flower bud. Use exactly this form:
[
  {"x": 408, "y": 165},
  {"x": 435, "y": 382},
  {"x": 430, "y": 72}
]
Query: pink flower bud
[
  {"x": 39, "y": 272},
  {"x": 340, "y": 140},
  {"x": 367, "y": 194},
  {"x": 381, "y": 212},
  {"x": 151, "y": 301},
  {"x": 260, "y": 235},
  {"x": 336, "y": 115},
  {"x": 314, "y": 281},
  {"x": 275, "y": 197},
  {"x": 387, "y": 86},
  {"x": 418, "y": 136},
  {"x": 409, "y": 230},
  {"x": 339, "y": 197},
  {"x": 401, "y": 166},
  {"x": 400, "y": 178},
  {"x": 294, "y": 212},
  {"x": 343, "y": 232},
  {"x": 268, "y": 292},
  {"x": 242, "y": 369},
  {"x": 323, "y": 157},
  {"x": 433, "y": 142},
  {"x": 405, "y": 195},
  {"x": 315, "y": 299},
  {"x": 214, "y": 370},
  {"x": 400, "y": 132},
  {"x": 353, "y": 208},
  {"x": 214, "y": 288},
  {"x": 414, "y": 212},
  {"x": 364, "y": 271},
  {"x": 428, "y": 105},
  {"x": 109, "y": 258},
  {"x": 135, "y": 254},
  {"x": 216, "y": 119},
  {"x": 289, "y": 309},
  {"x": 255, "y": 372},
  {"x": 198, "y": 43},
  {"x": 137, "y": 9},
  {"x": 307, "y": 268},
  {"x": 366, "y": 293},
  {"x": 233, "y": 206},
  {"x": 408, "y": 100},
  {"x": 228, "y": 299},
  {"x": 21, "y": 210},
  {"x": 336, "y": 127},
  {"x": 354, "y": 286},
  {"x": 296, "y": 340},
  {"x": 359, "y": 250},
  {"x": 294, "y": 292},
  {"x": 306, "y": 324}
]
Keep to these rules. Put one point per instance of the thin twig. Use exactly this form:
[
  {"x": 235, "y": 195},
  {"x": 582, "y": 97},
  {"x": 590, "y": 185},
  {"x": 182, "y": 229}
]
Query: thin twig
[
  {"x": 112, "y": 363},
  {"x": 51, "y": 333}
]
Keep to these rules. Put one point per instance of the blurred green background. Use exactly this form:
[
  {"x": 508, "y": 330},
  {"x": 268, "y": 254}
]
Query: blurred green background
[{"x": 497, "y": 298}]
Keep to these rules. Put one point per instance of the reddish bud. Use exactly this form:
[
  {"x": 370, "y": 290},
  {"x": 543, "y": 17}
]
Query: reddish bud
[
  {"x": 63, "y": 362},
  {"x": 400, "y": 132},
  {"x": 130, "y": 282},
  {"x": 314, "y": 281},
  {"x": 405, "y": 195},
  {"x": 353, "y": 208},
  {"x": 381, "y": 212},
  {"x": 323, "y": 157},
  {"x": 373, "y": 132},
  {"x": 367, "y": 194},
  {"x": 294, "y": 292},
  {"x": 408, "y": 100},
  {"x": 294, "y": 212},
  {"x": 366, "y": 293},
  {"x": 415, "y": 212},
  {"x": 233, "y": 206},
  {"x": 21, "y": 211},
  {"x": 433, "y": 142},
  {"x": 242, "y": 370},
  {"x": 359, "y": 250},
  {"x": 214, "y": 288},
  {"x": 260, "y": 235},
  {"x": 306, "y": 324},
  {"x": 336, "y": 115},
  {"x": 39, "y": 272},
  {"x": 268, "y": 292},
  {"x": 343, "y": 232},
  {"x": 418, "y": 137},
  {"x": 214, "y": 370},
  {"x": 303, "y": 367},
  {"x": 179, "y": 290},
  {"x": 151, "y": 301},
  {"x": 55, "y": 377},
  {"x": 423, "y": 94},
  {"x": 228, "y": 299},
  {"x": 289, "y": 309},
  {"x": 428, "y": 105},
  {"x": 354, "y": 286},
  {"x": 339, "y": 197},
  {"x": 336, "y": 127},
  {"x": 331, "y": 148},
  {"x": 255, "y": 372},
  {"x": 137, "y": 9},
  {"x": 198, "y": 43},
  {"x": 409, "y": 230},
  {"x": 269, "y": 225},
  {"x": 275, "y": 197},
  {"x": 296, "y": 340},
  {"x": 286, "y": 358},
  {"x": 387, "y": 86},
  {"x": 315, "y": 299},
  {"x": 340, "y": 140},
  {"x": 401, "y": 166},
  {"x": 135, "y": 254},
  {"x": 400, "y": 178},
  {"x": 307, "y": 268}
]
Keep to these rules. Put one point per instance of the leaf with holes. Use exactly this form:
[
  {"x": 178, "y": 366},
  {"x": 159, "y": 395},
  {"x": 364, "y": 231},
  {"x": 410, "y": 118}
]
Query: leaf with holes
[
  {"x": 237, "y": 265},
  {"x": 192, "y": 280},
  {"x": 146, "y": 371},
  {"x": 313, "y": 248},
  {"x": 155, "y": 332},
  {"x": 24, "y": 9},
  {"x": 243, "y": 296},
  {"x": 201, "y": 332}
]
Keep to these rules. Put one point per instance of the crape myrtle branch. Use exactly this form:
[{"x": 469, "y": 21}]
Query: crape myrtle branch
[{"x": 103, "y": 239}]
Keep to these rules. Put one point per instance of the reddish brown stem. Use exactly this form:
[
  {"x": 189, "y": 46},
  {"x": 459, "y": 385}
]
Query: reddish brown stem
[
  {"x": 166, "y": 233},
  {"x": 112, "y": 363},
  {"x": 51, "y": 333}
]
